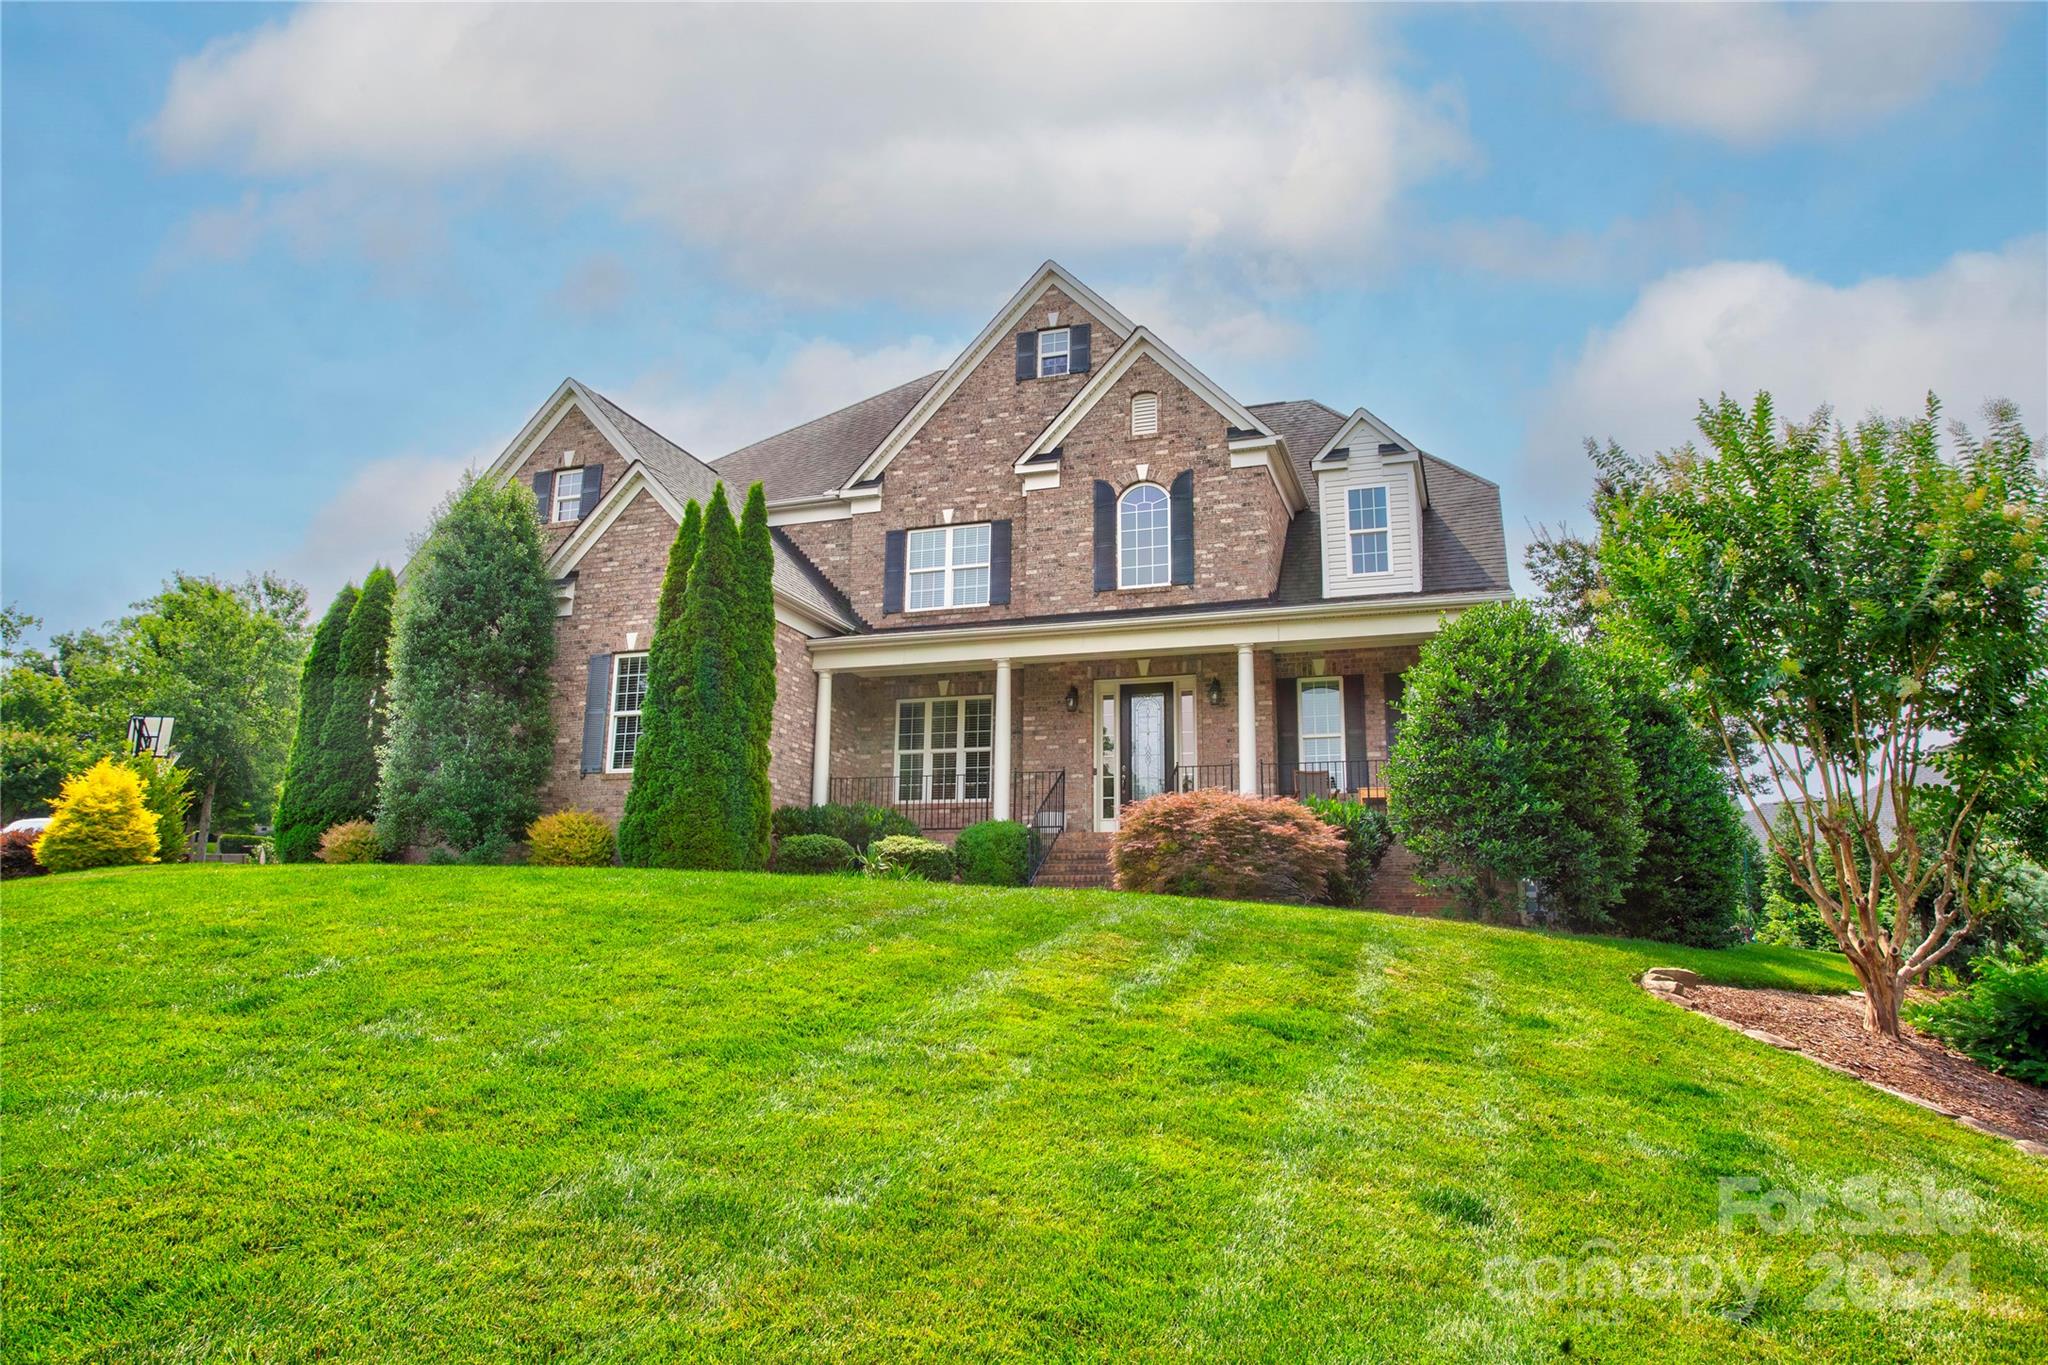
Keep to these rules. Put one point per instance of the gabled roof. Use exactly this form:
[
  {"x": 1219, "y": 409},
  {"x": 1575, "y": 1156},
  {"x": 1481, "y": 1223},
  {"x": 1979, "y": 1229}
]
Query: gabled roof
[
  {"x": 1392, "y": 446},
  {"x": 978, "y": 350},
  {"x": 821, "y": 455},
  {"x": 1142, "y": 343}
]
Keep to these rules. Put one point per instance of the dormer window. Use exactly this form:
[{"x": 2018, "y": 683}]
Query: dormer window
[
  {"x": 1054, "y": 351},
  {"x": 1368, "y": 530},
  {"x": 568, "y": 495},
  {"x": 1145, "y": 414}
]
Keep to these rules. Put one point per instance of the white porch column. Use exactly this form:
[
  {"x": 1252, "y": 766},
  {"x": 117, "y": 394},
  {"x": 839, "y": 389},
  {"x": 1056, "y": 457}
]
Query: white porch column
[
  {"x": 821, "y": 743},
  {"x": 1247, "y": 724},
  {"x": 999, "y": 758}
]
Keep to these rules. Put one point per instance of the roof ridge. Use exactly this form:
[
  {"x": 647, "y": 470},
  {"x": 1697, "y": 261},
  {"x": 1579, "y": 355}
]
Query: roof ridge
[{"x": 927, "y": 380}]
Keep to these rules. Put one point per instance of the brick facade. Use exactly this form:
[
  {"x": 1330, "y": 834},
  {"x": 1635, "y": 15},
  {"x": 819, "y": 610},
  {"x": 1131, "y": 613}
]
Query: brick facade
[{"x": 572, "y": 443}]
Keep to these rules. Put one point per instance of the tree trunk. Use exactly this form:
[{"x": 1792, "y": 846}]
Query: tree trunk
[
  {"x": 206, "y": 816},
  {"x": 1880, "y": 1000}
]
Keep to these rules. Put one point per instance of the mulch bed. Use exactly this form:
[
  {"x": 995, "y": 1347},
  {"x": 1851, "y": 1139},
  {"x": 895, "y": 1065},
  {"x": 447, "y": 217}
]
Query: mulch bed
[{"x": 1829, "y": 1028}]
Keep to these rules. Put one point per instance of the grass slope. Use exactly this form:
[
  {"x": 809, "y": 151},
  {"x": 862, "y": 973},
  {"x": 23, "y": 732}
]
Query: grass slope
[{"x": 443, "y": 1112}]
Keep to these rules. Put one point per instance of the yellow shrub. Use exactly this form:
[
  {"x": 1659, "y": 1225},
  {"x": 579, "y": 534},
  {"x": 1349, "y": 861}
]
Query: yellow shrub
[
  {"x": 351, "y": 841},
  {"x": 570, "y": 838},
  {"x": 99, "y": 821}
]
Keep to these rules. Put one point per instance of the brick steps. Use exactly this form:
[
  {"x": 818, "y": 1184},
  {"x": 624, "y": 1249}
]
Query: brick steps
[{"x": 1080, "y": 860}]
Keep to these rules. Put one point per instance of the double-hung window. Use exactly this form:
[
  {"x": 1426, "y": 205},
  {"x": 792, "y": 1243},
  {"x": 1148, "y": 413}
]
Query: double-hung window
[
  {"x": 1368, "y": 526},
  {"x": 942, "y": 748},
  {"x": 568, "y": 495},
  {"x": 947, "y": 566},
  {"x": 1054, "y": 356},
  {"x": 629, "y": 689},
  {"x": 1320, "y": 709},
  {"x": 1144, "y": 537}
]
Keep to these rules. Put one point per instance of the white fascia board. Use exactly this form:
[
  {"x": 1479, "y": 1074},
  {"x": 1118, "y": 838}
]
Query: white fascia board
[
  {"x": 1042, "y": 480},
  {"x": 999, "y": 327},
  {"x": 1407, "y": 620},
  {"x": 1142, "y": 343},
  {"x": 803, "y": 511},
  {"x": 1272, "y": 457},
  {"x": 1381, "y": 432},
  {"x": 569, "y": 394}
]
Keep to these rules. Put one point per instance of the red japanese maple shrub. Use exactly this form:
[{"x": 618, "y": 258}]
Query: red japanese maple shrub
[{"x": 1216, "y": 843}]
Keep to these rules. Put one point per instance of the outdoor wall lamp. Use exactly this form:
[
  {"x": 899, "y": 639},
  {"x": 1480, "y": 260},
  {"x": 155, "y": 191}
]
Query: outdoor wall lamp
[
  {"x": 1073, "y": 698},
  {"x": 1215, "y": 691}
]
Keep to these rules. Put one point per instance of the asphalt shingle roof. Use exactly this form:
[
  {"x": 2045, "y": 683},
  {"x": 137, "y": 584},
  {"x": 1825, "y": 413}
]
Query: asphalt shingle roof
[{"x": 822, "y": 454}]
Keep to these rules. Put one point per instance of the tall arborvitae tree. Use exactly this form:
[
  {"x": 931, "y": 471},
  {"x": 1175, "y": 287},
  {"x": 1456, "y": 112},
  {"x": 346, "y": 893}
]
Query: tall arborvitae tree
[
  {"x": 714, "y": 822},
  {"x": 472, "y": 642},
  {"x": 302, "y": 815},
  {"x": 646, "y": 829},
  {"x": 757, "y": 584},
  {"x": 362, "y": 686}
]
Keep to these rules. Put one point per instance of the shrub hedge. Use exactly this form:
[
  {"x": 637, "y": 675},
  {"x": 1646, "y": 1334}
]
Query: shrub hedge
[
  {"x": 913, "y": 859},
  {"x": 858, "y": 825},
  {"x": 571, "y": 838},
  {"x": 351, "y": 841},
  {"x": 1367, "y": 836},
  {"x": 994, "y": 853},
  {"x": 1217, "y": 843},
  {"x": 815, "y": 854}
]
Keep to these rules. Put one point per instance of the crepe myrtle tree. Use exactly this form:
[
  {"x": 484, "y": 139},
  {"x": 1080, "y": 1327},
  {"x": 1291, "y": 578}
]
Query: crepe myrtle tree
[{"x": 1870, "y": 610}]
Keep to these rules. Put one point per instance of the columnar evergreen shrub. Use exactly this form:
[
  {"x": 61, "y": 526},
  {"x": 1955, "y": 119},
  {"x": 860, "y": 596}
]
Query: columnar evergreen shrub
[
  {"x": 1510, "y": 764},
  {"x": 1218, "y": 843},
  {"x": 99, "y": 820},
  {"x": 757, "y": 607},
  {"x": 1687, "y": 886},
  {"x": 571, "y": 838},
  {"x": 302, "y": 815},
  {"x": 716, "y": 824},
  {"x": 648, "y": 830},
  {"x": 1367, "y": 836},
  {"x": 474, "y": 636},
  {"x": 859, "y": 825},
  {"x": 351, "y": 841},
  {"x": 909, "y": 858},
  {"x": 815, "y": 853},
  {"x": 357, "y": 717},
  {"x": 994, "y": 853}
]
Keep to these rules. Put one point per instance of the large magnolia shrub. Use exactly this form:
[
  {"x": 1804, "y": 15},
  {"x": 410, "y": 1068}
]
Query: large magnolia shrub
[
  {"x": 1217, "y": 843},
  {"x": 99, "y": 820}
]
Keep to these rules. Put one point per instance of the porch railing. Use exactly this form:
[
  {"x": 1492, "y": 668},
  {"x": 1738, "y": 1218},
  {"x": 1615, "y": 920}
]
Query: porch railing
[
  {"x": 1034, "y": 796},
  {"x": 1048, "y": 821},
  {"x": 1358, "y": 778},
  {"x": 1195, "y": 777}
]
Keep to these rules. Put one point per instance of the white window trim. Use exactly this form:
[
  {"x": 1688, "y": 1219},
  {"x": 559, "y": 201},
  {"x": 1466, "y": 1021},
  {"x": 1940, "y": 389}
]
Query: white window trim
[
  {"x": 1385, "y": 531},
  {"x": 557, "y": 508},
  {"x": 1122, "y": 583},
  {"x": 960, "y": 749},
  {"x": 611, "y": 725},
  {"x": 1136, "y": 400},
  {"x": 1302, "y": 736},
  {"x": 1066, "y": 334},
  {"x": 948, "y": 568}
]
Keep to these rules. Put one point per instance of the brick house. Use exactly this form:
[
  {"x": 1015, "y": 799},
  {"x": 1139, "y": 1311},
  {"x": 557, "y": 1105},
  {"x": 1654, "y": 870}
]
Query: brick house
[{"x": 1065, "y": 573}]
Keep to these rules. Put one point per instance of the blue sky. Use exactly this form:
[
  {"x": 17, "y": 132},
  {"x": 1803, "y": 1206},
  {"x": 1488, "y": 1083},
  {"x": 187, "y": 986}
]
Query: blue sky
[{"x": 272, "y": 277}]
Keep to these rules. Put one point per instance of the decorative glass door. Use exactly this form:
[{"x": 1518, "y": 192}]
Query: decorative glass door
[{"x": 1147, "y": 741}]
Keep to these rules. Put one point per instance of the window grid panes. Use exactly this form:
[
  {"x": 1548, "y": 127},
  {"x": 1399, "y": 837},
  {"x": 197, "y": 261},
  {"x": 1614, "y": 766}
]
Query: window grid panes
[
  {"x": 943, "y": 748},
  {"x": 1052, "y": 352},
  {"x": 629, "y": 690},
  {"x": 568, "y": 495},
  {"x": 1320, "y": 712},
  {"x": 1144, "y": 537},
  {"x": 947, "y": 566},
  {"x": 1368, "y": 519}
]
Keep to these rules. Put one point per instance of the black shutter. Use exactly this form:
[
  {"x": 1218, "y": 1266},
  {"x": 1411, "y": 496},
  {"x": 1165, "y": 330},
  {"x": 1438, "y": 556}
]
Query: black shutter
[
  {"x": 597, "y": 712},
  {"x": 1285, "y": 704},
  {"x": 1395, "y": 684},
  {"x": 1105, "y": 537},
  {"x": 1354, "y": 732},
  {"x": 1077, "y": 348},
  {"x": 999, "y": 563},
  {"x": 1027, "y": 356},
  {"x": 893, "y": 554},
  {"x": 593, "y": 486},
  {"x": 544, "y": 493},
  {"x": 1182, "y": 509}
]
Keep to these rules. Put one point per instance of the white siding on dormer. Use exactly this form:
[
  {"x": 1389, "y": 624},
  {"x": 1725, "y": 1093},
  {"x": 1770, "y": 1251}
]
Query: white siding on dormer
[{"x": 1365, "y": 469}]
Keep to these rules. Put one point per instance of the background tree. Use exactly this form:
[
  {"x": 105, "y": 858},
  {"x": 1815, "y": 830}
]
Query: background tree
[
  {"x": 1869, "y": 612},
  {"x": 474, "y": 635},
  {"x": 167, "y": 796},
  {"x": 1566, "y": 571},
  {"x": 1511, "y": 764},
  {"x": 757, "y": 570},
  {"x": 1688, "y": 884},
  {"x": 716, "y": 823},
  {"x": 303, "y": 813},
  {"x": 647, "y": 828},
  {"x": 356, "y": 720},
  {"x": 223, "y": 660}
]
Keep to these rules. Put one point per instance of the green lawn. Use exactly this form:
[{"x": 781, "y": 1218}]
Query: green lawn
[{"x": 447, "y": 1112}]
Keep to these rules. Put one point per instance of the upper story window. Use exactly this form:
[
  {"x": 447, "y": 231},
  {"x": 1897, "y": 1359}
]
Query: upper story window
[
  {"x": 1144, "y": 537},
  {"x": 1368, "y": 530},
  {"x": 1144, "y": 414},
  {"x": 1054, "y": 347},
  {"x": 629, "y": 689},
  {"x": 947, "y": 566},
  {"x": 568, "y": 495}
]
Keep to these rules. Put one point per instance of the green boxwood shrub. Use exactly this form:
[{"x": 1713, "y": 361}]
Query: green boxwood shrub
[
  {"x": 858, "y": 825},
  {"x": 908, "y": 857},
  {"x": 2000, "y": 1019},
  {"x": 1367, "y": 836},
  {"x": 815, "y": 854},
  {"x": 994, "y": 853},
  {"x": 571, "y": 838}
]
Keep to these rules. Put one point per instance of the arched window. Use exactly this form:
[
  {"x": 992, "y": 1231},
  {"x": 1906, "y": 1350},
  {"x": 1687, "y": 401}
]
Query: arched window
[{"x": 1144, "y": 537}]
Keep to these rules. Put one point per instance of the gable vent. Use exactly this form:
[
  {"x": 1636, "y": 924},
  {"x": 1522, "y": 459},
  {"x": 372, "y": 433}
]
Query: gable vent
[{"x": 1145, "y": 414}]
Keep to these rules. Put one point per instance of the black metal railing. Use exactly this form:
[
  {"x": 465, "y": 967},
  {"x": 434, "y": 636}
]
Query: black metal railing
[
  {"x": 1358, "y": 778},
  {"x": 1031, "y": 792},
  {"x": 1048, "y": 820},
  {"x": 1195, "y": 777}
]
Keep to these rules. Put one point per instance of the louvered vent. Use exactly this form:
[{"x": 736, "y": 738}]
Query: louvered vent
[{"x": 1145, "y": 414}]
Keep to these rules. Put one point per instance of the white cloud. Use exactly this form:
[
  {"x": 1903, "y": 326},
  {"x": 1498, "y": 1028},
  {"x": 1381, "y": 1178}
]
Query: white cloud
[
  {"x": 374, "y": 518},
  {"x": 1970, "y": 330},
  {"x": 810, "y": 148},
  {"x": 1754, "y": 74}
]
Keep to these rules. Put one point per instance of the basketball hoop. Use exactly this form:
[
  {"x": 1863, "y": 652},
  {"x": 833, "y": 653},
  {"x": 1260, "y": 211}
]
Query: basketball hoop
[{"x": 150, "y": 735}]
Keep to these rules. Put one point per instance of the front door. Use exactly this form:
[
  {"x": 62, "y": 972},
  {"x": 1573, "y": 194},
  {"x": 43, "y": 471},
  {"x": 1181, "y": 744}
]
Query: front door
[{"x": 1146, "y": 724}]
